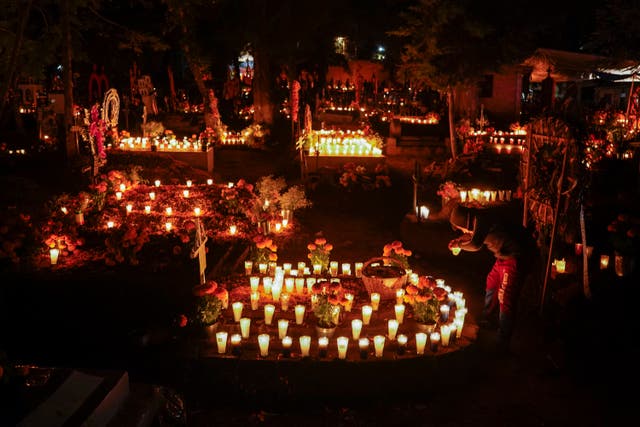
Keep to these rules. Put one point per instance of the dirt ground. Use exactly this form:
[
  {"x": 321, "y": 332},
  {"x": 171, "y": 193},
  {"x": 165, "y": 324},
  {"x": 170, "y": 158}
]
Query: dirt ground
[{"x": 565, "y": 368}]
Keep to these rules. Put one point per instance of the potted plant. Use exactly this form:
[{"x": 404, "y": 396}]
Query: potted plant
[
  {"x": 211, "y": 299},
  {"x": 326, "y": 299},
  {"x": 319, "y": 253},
  {"x": 425, "y": 298},
  {"x": 293, "y": 199}
]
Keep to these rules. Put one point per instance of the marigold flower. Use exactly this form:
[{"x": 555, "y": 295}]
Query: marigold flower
[
  {"x": 411, "y": 290},
  {"x": 311, "y": 247},
  {"x": 328, "y": 247},
  {"x": 320, "y": 241},
  {"x": 273, "y": 257}
]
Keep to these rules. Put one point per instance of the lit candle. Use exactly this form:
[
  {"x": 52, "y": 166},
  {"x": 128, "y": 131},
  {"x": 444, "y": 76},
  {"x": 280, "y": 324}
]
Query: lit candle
[
  {"x": 453, "y": 331},
  {"x": 276, "y": 289},
  {"x": 460, "y": 313},
  {"x": 399, "y": 296},
  {"x": 299, "y": 312},
  {"x": 349, "y": 304},
  {"x": 317, "y": 269},
  {"x": 237, "y": 310},
  {"x": 445, "y": 334},
  {"x": 434, "y": 340},
  {"x": 263, "y": 343},
  {"x": 343, "y": 345},
  {"x": 378, "y": 345},
  {"x": 424, "y": 213},
  {"x": 286, "y": 346},
  {"x": 392, "y": 326},
  {"x": 323, "y": 343},
  {"x": 421, "y": 342},
  {"x": 152, "y": 195},
  {"x": 604, "y": 262},
  {"x": 455, "y": 250},
  {"x": 269, "y": 309},
  {"x": 278, "y": 227},
  {"x": 168, "y": 211},
  {"x": 305, "y": 345},
  {"x": 119, "y": 195},
  {"x": 254, "y": 283},
  {"x": 459, "y": 325},
  {"x": 299, "y": 285},
  {"x": 209, "y": 181},
  {"x": 157, "y": 182},
  {"x": 289, "y": 282},
  {"x": 123, "y": 187},
  {"x": 196, "y": 211},
  {"x": 402, "y": 344},
  {"x": 363, "y": 344},
  {"x": 236, "y": 341},
  {"x": 356, "y": 328},
  {"x": 129, "y": 208},
  {"x": 285, "y": 223},
  {"x": 444, "y": 312},
  {"x": 366, "y": 314},
  {"x": 167, "y": 226},
  {"x": 233, "y": 230},
  {"x": 399, "y": 309},
  {"x": 267, "y": 283},
  {"x": 283, "y": 325},
  {"x": 255, "y": 300},
  {"x": 440, "y": 282},
  {"x": 358, "y": 268},
  {"x": 333, "y": 268},
  {"x": 109, "y": 224},
  {"x": 414, "y": 279},
  {"x": 147, "y": 209},
  {"x": 284, "y": 301},
  {"x": 64, "y": 210},
  {"x": 221, "y": 340},
  {"x": 375, "y": 301},
  {"x": 262, "y": 268},
  {"x": 589, "y": 251},
  {"x": 463, "y": 196},
  {"x": 301, "y": 265},
  {"x": 287, "y": 268},
  {"x": 53, "y": 255},
  {"x": 578, "y": 248},
  {"x": 189, "y": 183},
  {"x": 346, "y": 269},
  {"x": 310, "y": 281},
  {"x": 229, "y": 184}
]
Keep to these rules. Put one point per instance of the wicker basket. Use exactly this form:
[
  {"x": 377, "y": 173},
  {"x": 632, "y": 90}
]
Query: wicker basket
[{"x": 385, "y": 286}]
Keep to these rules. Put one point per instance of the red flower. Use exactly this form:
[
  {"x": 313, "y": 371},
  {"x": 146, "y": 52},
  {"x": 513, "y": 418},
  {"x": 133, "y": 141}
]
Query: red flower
[{"x": 182, "y": 321}]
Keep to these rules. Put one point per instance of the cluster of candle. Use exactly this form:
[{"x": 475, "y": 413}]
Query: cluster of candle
[
  {"x": 341, "y": 143},
  {"x": 19, "y": 151},
  {"x": 484, "y": 196},
  {"x": 275, "y": 288},
  {"x": 432, "y": 119},
  {"x": 161, "y": 144},
  {"x": 233, "y": 138}
]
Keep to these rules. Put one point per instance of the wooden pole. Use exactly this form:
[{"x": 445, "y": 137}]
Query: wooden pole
[
  {"x": 554, "y": 226},
  {"x": 526, "y": 180},
  {"x": 585, "y": 261},
  {"x": 415, "y": 188}
]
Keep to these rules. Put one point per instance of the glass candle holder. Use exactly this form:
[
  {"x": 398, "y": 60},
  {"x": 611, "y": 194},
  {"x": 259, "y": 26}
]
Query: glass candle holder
[
  {"x": 375, "y": 301},
  {"x": 358, "y": 269},
  {"x": 262, "y": 268},
  {"x": 283, "y": 326},
  {"x": 287, "y": 268},
  {"x": 434, "y": 341},
  {"x": 445, "y": 334},
  {"x": 378, "y": 345},
  {"x": 299, "y": 311},
  {"x": 356, "y": 328},
  {"x": 333, "y": 268},
  {"x": 248, "y": 267},
  {"x": 236, "y": 344},
  {"x": 289, "y": 284},
  {"x": 444, "y": 312},
  {"x": 399, "y": 296},
  {"x": 299, "y": 283},
  {"x": 267, "y": 284},
  {"x": 367, "y": 310},
  {"x": 305, "y": 345},
  {"x": 346, "y": 269},
  {"x": 392, "y": 328},
  {"x": 323, "y": 345},
  {"x": 349, "y": 304},
  {"x": 221, "y": 341},
  {"x": 399, "y": 310},
  {"x": 269, "y": 310},
  {"x": 343, "y": 345},
  {"x": 287, "y": 341},
  {"x": 402, "y": 344},
  {"x": 245, "y": 327},
  {"x": 301, "y": 266},
  {"x": 53, "y": 255},
  {"x": 284, "y": 302},
  {"x": 421, "y": 342},
  {"x": 237, "y": 310},
  {"x": 263, "y": 344},
  {"x": 363, "y": 344},
  {"x": 254, "y": 283}
]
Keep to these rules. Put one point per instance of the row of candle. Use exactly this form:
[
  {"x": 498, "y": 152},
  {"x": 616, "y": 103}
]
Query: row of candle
[
  {"x": 485, "y": 196},
  {"x": 347, "y": 147},
  {"x": 164, "y": 144},
  {"x": 302, "y": 269},
  {"x": 435, "y": 339}
]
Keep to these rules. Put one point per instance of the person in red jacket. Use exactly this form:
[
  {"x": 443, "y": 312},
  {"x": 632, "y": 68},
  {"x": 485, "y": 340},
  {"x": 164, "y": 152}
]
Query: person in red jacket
[{"x": 514, "y": 249}]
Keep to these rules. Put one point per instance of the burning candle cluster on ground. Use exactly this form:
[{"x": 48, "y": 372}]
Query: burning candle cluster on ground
[
  {"x": 277, "y": 319},
  {"x": 343, "y": 143}
]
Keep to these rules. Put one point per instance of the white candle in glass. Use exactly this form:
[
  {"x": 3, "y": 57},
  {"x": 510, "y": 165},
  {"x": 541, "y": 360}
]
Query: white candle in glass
[
  {"x": 333, "y": 268},
  {"x": 358, "y": 268},
  {"x": 378, "y": 344},
  {"x": 375, "y": 301},
  {"x": 363, "y": 344},
  {"x": 276, "y": 290},
  {"x": 262, "y": 268},
  {"x": 289, "y": 283},
  {"x": 301, "y": 265},
  {"x": 221, "y": 340},
  {"x": 317, "y": 269},
  {"x": 343, "y": 345},
  {"x": 255, "y": 300},
  {"x": 421, "y": 342},
  {"x": 123, "y": 187},
  {"x": 248, "y": 267},
  {"x": 445, "y": 334},
  {"x": 237, "y": 310},
  {"x": 267, "y": 284},
  {"x": 434, "y": 340},
  {"x": 129, "y": 208},
  {"x": 366, "y": 314},
  {"x": 189, "y": 183},
  {"x": 236, "y": 340},
  {"x": 463, "y": 196},
  {"x": 402, "y": 340},
  {"x": 392, "y": 327},
  {"x": 399, "y": 296},
  {"x": 299, "y": 285},
  {"x": 53, "y": 255},
  {"x": 263, "y": 343},
  {"x": 284, "y": 302},
  {"x": 157, "y": 182},
  {"x": 233, "y": 229},
  {"x": 287, "y": 341},
  {"x": 168, "y": 211},
  {"x": 310, "y": 282},
  {"x": 152, "y": 195},
  {"x": 305, "y": 345},
  {"x": 209, "y": 181},
  {"x": 119, "y": 195},
  {"x": 356, "y": 328},
  {"x": 254, "y": 283},
  {"x": 287, "y": 268},
  {"x": 299, "y": 311},
  {"x": 399, "y": 309},
  {"x": 346, "y": 269},
  {"x": 283, "y": 326},
  {"x": 459, "y": 325},
  {"x": 349, "y": 304},
  {"x": 604, "y": 262},
  {"x": 109, "y": 224},
  {"x": 147, "y": 209},
  {"x": 269, "y": 309},
  {"x": 444, "y": 312}
]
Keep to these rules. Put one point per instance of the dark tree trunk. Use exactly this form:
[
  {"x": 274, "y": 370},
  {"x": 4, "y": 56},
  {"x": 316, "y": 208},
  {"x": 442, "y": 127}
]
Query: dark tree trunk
[
  {"x": 71, "y": 148},
  {"x": 262, "y": 87}
]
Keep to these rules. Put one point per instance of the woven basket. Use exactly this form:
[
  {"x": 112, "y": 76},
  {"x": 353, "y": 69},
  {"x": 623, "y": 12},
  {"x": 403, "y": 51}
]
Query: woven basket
[{"x": 385, "y": 286}]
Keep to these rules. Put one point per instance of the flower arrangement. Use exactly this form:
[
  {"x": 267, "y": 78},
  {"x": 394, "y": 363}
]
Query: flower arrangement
[
  {"x": 320, "y": 252},
  {"x": 210, "y": 301},
  {"x": 327, "y": 297},
  {"x": 425, "y": 298},
  {"x": 356, "y": 176},
  {"x": 448, "y": 190},
  {"x": 264, "y": 250},
  {"x": 624, "y": 234},
  {"x": 294, "y": 198},
  {"x": 395, "y": 251}
]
